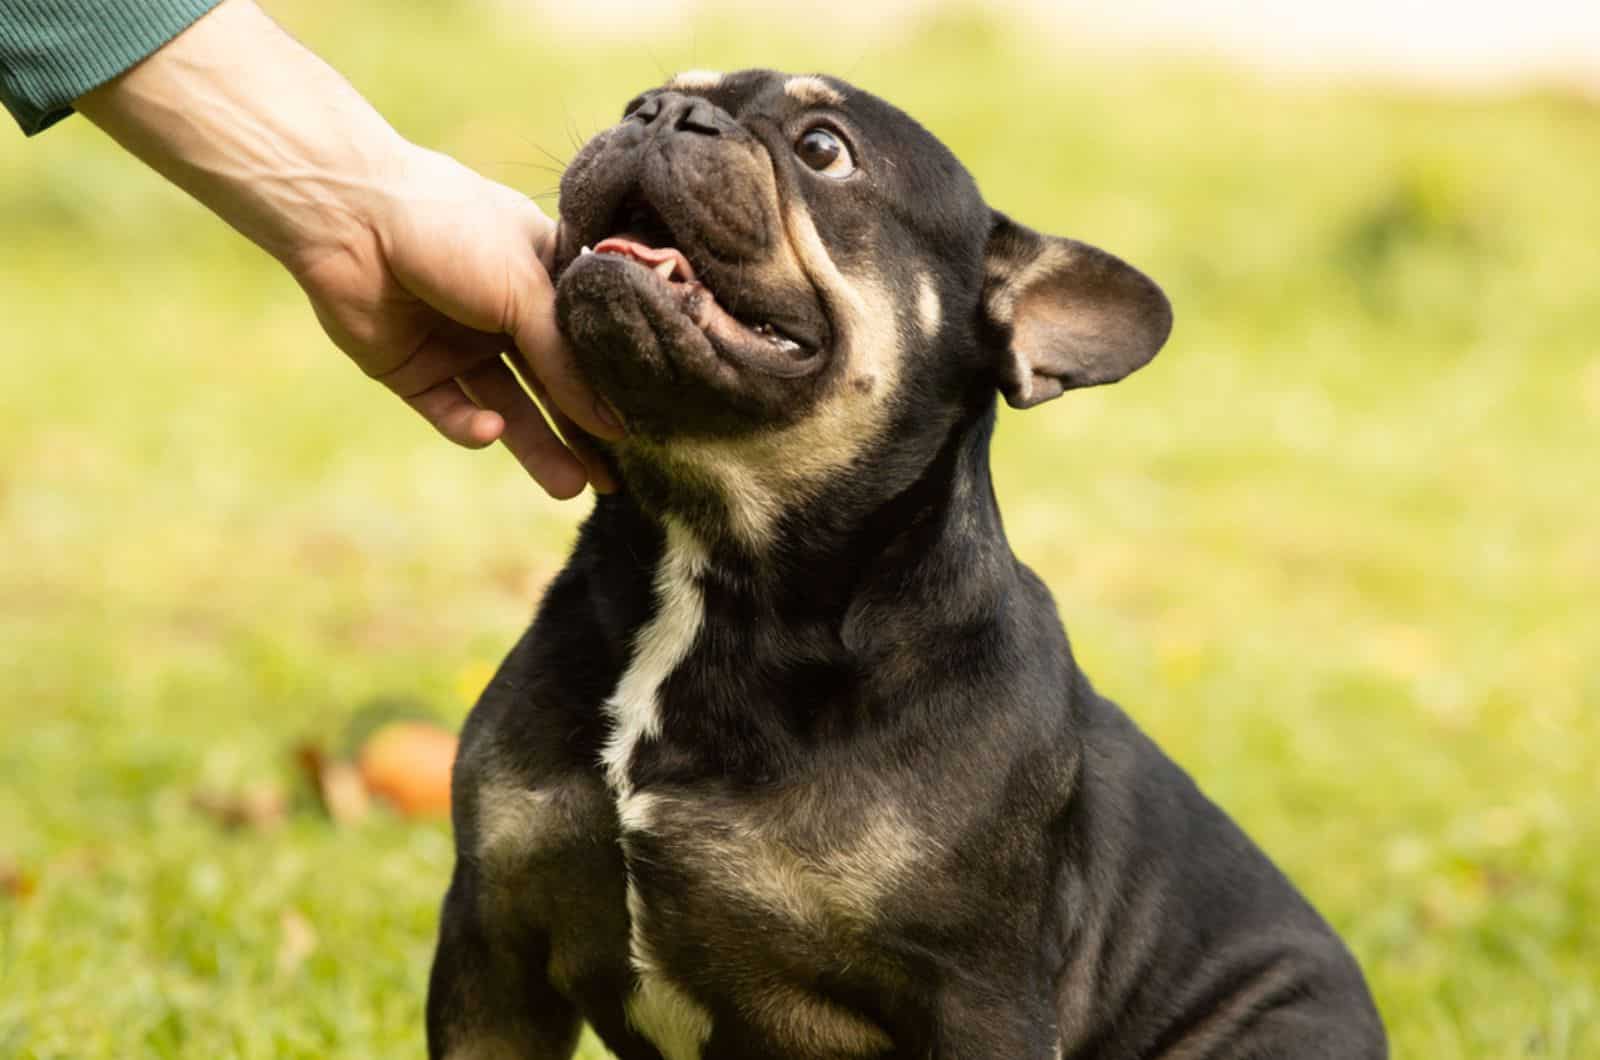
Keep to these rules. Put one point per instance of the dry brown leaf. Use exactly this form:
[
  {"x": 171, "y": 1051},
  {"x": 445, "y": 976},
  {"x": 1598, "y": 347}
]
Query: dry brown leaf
[
  {"x": 16, "y": 882},
  {"x": 336, "y": 783},
  {"x": 260, "y": 806}
]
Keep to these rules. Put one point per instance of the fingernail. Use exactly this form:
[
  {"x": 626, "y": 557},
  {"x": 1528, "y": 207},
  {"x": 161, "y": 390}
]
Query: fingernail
[{"x": 607, "y": 415}]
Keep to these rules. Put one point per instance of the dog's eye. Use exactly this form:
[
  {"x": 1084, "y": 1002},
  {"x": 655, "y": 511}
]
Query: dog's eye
[{"x": 824, "y": 152}]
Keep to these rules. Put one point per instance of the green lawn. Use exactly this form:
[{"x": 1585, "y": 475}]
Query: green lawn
[{"x": 1338, "y": 549}]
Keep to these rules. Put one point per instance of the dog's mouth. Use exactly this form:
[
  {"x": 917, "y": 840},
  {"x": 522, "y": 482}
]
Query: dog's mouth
[{"x": 734, "y": 326}]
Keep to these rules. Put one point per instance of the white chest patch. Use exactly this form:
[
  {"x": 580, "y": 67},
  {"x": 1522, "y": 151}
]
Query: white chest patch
[
  {"x": 674, "y": 1023},
  {"x": 659, "y": 1009},
  {"x": 661, "y": 644}
]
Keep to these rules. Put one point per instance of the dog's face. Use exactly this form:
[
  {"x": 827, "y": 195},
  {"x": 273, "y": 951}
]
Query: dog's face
[{"x": 765, "y": 274}]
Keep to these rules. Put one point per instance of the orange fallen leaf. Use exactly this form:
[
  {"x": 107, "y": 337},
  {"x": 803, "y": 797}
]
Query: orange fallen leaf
[{"x": 408, "y": 763}]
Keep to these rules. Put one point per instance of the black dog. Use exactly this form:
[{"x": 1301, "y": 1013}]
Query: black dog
[{"x": 795, "y": 761}]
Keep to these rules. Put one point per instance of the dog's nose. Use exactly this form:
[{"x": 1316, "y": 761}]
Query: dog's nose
[{"x": 680, "y": 113}]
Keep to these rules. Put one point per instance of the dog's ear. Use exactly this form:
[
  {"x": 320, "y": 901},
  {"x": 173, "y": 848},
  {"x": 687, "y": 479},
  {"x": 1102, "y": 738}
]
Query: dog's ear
[{"x": 1069, "y": 315}]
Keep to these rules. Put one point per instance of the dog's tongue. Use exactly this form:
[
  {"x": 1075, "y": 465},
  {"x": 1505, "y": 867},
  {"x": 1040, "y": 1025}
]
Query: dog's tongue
[
  {"x": 773, "y": 352},
  {"x": 669, "y": 261}
]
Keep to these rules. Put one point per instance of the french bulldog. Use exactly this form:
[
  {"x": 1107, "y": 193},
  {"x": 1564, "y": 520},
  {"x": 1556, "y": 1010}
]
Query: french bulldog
[{"x": 795, "y": 760}]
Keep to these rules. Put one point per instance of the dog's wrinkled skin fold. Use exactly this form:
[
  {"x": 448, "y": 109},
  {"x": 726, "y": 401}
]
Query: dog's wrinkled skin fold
[{"x": 795, "y": 760}]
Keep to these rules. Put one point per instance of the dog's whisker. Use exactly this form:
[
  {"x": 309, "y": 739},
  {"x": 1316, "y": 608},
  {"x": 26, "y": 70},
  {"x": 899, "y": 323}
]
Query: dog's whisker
[
  {"x": 556, "y": 160},
  {"x": 514, "y": 164}
]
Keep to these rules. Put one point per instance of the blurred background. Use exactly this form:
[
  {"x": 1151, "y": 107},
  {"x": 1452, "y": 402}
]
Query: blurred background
[{"x": 1337, "y": 549}]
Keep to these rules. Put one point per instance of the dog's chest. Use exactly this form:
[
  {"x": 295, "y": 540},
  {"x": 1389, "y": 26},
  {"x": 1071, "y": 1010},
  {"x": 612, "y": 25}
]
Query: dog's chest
[
  {"x": 705, "y": 922},
  {"x": 733, "y": 895},
  {"x": 757, "y": 901}
]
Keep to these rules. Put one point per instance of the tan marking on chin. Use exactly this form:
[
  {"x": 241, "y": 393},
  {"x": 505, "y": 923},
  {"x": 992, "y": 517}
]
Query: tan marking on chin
[
  {"x": 813, "y": 91},
  {"x": 696, "y": 80},
  {"x": 761, "y": 476}
]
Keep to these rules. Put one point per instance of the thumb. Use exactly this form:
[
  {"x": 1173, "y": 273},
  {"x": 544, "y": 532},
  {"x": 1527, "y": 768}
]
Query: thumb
[{"x": 546, "y": 357}]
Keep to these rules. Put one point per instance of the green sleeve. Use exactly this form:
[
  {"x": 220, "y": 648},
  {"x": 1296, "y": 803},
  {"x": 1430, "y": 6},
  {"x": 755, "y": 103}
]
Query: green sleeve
[{"x": 53, "y": 51}]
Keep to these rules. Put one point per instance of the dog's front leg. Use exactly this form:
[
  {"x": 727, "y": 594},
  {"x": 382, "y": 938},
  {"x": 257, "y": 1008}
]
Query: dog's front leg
[{"x": 489, "y": 997}]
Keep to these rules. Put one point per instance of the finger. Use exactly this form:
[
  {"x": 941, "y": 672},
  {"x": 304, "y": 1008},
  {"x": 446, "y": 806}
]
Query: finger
[
  {"x": 582, "y": 446},
  {"x": 526, "y": 434},
  {"x": 450, "y": 351},
  {"x": 547, "y": 359},
  {"x": 457, "y": 416},
  {"x": 578, "y": 441}
]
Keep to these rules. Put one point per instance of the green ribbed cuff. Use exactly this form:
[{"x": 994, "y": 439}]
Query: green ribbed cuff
[{"x": 53, "y": 51}]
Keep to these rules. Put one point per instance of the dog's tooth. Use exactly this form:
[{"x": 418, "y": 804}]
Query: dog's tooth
[
  {"x": 666, "y": 268},
  {"x": 585, "y": 250}
]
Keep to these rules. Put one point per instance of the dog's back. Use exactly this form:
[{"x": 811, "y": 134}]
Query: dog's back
[{"x": 1174, "y": 920}]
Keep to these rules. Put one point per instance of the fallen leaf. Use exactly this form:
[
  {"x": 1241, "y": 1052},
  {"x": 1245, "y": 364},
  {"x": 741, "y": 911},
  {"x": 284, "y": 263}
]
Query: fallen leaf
[
  {"x": 408, "y": 764},
  {"x": 336, "y": 783},
  {"x": 16, "y": 882},
  {"x": 260, "y": 806}
]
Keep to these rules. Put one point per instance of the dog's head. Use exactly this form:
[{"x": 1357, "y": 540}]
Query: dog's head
[{"x": 768, "y": 275}]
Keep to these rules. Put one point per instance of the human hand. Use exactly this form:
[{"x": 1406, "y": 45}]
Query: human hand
[
  {"x": 445, "y": 271},
  {"x": 421, "y": 270}
]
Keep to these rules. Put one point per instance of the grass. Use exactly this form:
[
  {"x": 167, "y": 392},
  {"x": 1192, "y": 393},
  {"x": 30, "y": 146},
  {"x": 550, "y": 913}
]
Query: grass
[{"x": 1338, "y": 549}]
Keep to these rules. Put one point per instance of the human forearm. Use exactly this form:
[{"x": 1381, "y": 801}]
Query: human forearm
[
  {"x": 256, "y": 127},
  {"x": 53, "y": 51},
  {"x": 419, "y": 269}
]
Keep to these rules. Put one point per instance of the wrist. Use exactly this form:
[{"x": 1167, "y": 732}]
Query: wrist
[{"x": 256, "y": 127}]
